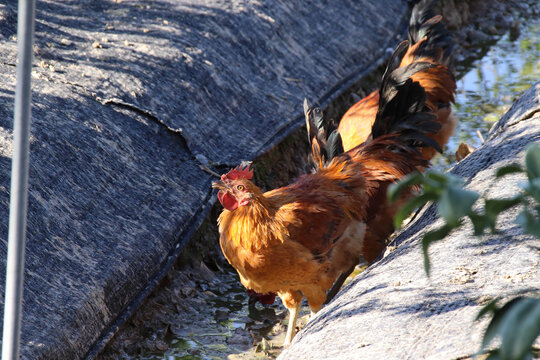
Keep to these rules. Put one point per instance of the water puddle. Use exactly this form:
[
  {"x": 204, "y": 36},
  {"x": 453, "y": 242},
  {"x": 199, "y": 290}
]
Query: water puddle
[
  {"x": 489, "y": 88},
  {"x": 200, "y": 314}
]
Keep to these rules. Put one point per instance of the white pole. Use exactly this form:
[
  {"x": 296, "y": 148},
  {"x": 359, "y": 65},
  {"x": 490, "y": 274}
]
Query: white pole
[{"x": 19, "y": 183}]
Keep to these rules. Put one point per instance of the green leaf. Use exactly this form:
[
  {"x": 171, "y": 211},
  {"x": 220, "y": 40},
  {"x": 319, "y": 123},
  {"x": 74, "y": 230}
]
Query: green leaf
[
  {"x": 532, "y": 161},
  {"x": 491, "y": 307},
  {"x": 395, "y": 189},
  {"x": 431, "y": 237},
  {"x": 509, "y": 169},
  {"x": 493, "y": 207},
  {"x": 529, "y": 222},
  {"x": 530, "y": 327},
  {"x": 533, "y": 188},
  {"x": 494, "y": 355},
  {"x": 493, "y": 327},
  {"x": 519, "y": 328},
  {"x": 518, "y": 325},
  {"x": 409, "y": 207},
  {"x": 439, "y": 177},
  {"x": 480, "y": 222},
  {"x": 435, "y": 181},
  {"x": 496, "y": 206},
  {"x": 455, "y": 203}
]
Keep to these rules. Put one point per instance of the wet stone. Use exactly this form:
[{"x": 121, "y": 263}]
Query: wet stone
[
  {"x": 478, "y": 36},
  {"x": 240, "y": 337},
  {"x": 222, "y": 314}
]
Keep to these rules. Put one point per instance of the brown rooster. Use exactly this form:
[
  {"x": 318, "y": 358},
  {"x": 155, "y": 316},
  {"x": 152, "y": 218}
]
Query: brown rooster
[
  {"x": 298, "y": 239},
  {"x": 428, "y": 61},
  {"x": 429, "y": 41}
]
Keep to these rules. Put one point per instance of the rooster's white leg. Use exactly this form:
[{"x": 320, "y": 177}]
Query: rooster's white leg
[{"x": 293, "y": 316}]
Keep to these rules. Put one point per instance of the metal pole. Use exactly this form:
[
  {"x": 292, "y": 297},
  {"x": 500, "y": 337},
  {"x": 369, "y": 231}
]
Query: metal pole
[{"x": 19, "y": 183}]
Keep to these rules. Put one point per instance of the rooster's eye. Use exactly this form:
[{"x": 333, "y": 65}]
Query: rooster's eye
[{"x": 240, "y": 187}]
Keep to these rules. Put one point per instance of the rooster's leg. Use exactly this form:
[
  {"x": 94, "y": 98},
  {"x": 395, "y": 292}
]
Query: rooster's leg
[
  {"x": 312, "y": 315},
  {"x": 292, "y": 300},
  {"x": 337, "y": 284},
  {"x": 293, "y": 316},
  {"x": 315, "y": 296}
]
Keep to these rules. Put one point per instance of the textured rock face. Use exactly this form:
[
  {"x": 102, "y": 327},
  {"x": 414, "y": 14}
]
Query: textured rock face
[
  {"x": 392, "y": 311},
  {"x": 130, "y": 97}
]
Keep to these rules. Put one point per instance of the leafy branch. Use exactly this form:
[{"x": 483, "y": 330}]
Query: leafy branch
[
  {"x": 456, "y": 203},
  {"x": 518, "y": 321},
  {"x": 518, "y": 325}
]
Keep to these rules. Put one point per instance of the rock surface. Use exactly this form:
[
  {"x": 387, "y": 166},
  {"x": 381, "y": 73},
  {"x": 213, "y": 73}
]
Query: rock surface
[
  {"x": 393, "y": 311},
  {"x": 129, "y": 98}
]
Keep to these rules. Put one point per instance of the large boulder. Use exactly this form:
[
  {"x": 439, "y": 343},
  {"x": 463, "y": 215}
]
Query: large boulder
[
  {"x": 129, "y": 99},
  {"x": 393, "y": 311}
]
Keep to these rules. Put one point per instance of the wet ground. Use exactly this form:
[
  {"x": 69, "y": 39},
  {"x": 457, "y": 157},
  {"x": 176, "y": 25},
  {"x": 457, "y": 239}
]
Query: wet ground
[{"x": 201, "y": 313}]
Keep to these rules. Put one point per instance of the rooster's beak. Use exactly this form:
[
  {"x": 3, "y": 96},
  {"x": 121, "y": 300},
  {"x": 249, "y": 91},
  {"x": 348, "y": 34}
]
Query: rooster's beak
[{"x": 218, "y": 185}]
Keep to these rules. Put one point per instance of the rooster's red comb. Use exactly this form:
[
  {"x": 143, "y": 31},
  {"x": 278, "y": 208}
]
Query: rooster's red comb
[{"x": 239, "y": 172}]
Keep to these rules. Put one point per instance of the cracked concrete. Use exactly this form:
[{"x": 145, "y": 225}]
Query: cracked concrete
[{"x": 151, "y": 117}]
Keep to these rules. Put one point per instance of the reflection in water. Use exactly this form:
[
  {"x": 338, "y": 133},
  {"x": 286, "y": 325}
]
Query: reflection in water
[{"x": 490, "y": 87}]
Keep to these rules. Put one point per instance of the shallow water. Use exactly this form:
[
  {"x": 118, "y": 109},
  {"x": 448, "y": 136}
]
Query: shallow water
[
  {"x": 485, "y": 92},
  {"x": 222, "y": 325},
  {"x": 488, "y": 89}
]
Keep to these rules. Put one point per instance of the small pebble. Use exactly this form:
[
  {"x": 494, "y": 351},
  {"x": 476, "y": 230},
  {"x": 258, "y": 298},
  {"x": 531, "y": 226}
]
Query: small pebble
[{"x": 221, "y": 314}]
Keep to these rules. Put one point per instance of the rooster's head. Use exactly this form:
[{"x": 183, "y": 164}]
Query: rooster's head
[{"x": 235, "y": 187}]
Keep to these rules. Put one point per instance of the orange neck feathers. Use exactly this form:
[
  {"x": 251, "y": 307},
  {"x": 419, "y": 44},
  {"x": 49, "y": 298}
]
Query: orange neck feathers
[{"x": 253, "y": 226}]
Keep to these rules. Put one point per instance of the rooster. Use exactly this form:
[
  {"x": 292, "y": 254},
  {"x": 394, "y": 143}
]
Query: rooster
[
  {"x": 429, "y": 41},
  {"x": 297, "y": 240},
  {"x": 428, "y": 61}
]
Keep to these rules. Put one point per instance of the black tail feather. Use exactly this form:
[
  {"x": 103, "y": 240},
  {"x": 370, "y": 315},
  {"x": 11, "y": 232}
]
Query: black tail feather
[
  {"x": 334, "y": 145},
  {"x": 425, "y": 23},
  {"x": 398, "y": 53},
  {"x": 402, "y": 111},
  {"x": 316, "y": 133},
  {"x": 323, "y": 147},
  {"x": 399, "y": 96}
]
